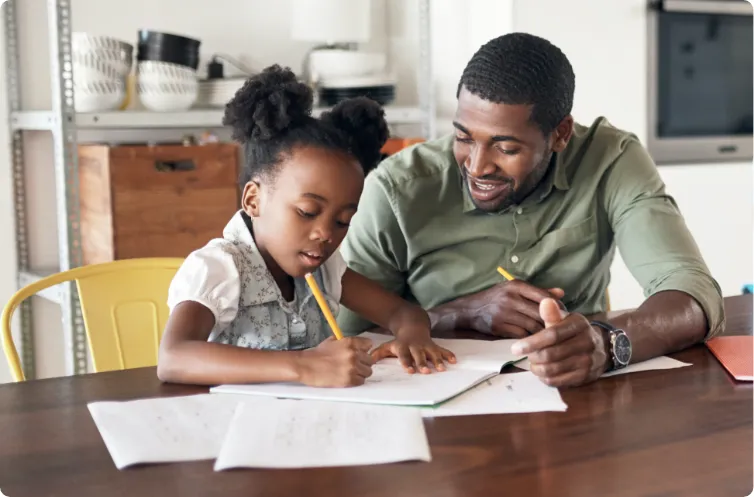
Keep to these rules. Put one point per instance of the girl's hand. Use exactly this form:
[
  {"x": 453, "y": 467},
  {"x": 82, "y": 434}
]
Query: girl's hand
[
  {"x": 415, "y": 350},
  {"x": 336, "y": 363}
]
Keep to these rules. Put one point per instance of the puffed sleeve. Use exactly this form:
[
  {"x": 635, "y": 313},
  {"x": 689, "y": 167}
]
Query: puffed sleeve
[{"x": 209, "y": 276}]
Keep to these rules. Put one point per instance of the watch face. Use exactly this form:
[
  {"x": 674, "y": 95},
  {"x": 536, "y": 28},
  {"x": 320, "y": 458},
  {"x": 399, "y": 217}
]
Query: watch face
[{"x": 622, "y": 349}]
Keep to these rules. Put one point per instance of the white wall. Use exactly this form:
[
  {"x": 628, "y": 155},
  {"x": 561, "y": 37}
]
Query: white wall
[
  {"x": 459, "y": 29},
  {"x": 254, "y": 31},
  {"x": 606, "y": 44}
]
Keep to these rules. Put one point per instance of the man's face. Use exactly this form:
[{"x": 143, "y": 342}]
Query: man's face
[{"x": 502, "y": 153}]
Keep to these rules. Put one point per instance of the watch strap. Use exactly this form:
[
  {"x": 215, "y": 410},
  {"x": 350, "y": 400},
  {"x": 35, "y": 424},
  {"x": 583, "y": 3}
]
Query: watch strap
[
  {"x": 605, "y": 326},
  {"x": 612, "y": 332}
]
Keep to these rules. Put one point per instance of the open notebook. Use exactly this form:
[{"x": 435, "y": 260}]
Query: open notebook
[{"x": 390, "y": 384}]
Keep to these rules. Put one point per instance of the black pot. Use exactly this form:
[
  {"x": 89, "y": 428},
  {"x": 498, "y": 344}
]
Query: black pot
[
  {"x": 383, "y": 95},
  {"x": 162, "y": 54},
  {"x": 166, "y": 47},
  {"x": 147, "y": 37}
]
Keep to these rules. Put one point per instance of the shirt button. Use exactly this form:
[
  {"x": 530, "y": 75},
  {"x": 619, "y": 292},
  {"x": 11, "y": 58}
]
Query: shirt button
[
  {"x": 514, "y": 259},
  {"x": 520, "y": 210}
]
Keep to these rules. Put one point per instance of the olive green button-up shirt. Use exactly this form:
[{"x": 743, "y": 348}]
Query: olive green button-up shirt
[{"x": 419, "y": 235}]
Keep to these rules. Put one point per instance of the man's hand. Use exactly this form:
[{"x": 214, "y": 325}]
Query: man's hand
[
  {"x": 508, "y": 310},
  {"x": 568, "y": 352}
]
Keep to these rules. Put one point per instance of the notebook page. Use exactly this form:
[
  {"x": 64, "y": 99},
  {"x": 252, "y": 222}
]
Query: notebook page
[
  {"x": 389, "y": 384},
  {"x": 484, "y": 355}
]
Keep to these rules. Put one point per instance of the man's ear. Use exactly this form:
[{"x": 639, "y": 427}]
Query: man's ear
[
  {"x": 250, "y": 199},
  {"x": 562, "y": 134}
]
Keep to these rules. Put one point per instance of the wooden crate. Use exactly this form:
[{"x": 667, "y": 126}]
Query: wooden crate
[{"x": 154, "y": 201}]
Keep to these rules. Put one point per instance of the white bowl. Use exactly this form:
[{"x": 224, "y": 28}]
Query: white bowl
[
  {"x": 98, "y": 96},
  {"x": 345, "y": 63},
  {"x": 116, "y": 53},
  {"x": 165, "y": 87},
  {"x": 89, "y": 67},
  {"x": 151, "y": 70},
  {"x": 167, "y": 95},
  {"x": 86, "y": 41},
  {"x": 112, "y": 58}
]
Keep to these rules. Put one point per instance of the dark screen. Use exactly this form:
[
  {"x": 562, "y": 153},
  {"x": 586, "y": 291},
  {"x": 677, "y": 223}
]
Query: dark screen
[{"x": 705, "y": 74}]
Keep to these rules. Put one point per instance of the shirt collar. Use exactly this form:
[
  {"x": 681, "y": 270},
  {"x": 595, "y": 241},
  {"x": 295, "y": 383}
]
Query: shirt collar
[
  {"x": 258, "y": 287},
  {"x": 556, "y": 177}
]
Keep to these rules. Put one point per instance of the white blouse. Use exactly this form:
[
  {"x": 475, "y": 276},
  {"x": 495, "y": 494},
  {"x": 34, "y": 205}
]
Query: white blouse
[{"x": 229, "y": 277}]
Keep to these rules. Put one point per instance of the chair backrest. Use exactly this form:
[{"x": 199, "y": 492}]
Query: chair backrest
[
  {"x": 124, "y": 307},
  {"x": 125, "y": 312}
]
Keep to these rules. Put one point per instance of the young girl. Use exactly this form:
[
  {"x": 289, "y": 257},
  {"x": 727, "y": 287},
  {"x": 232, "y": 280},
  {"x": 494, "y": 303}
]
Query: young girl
[{"x": 241, "y": 311}]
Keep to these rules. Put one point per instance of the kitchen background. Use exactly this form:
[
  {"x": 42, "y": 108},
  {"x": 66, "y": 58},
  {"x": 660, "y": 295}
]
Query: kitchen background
[{"x": 605, "y": 41}]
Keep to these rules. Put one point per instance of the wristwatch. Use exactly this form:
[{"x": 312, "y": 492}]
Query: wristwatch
[{"x": 620, "y": 345}]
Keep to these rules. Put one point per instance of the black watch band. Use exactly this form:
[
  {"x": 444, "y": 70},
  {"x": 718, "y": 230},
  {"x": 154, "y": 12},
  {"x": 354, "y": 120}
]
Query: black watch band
[{"x": 619, "y": 346}]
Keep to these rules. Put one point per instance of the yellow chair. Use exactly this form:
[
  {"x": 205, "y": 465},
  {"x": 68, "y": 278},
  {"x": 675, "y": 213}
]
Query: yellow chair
[{"x": 124, "y": 306}]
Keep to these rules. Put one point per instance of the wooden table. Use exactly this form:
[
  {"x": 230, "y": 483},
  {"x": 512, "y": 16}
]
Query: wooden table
[{"x": 684, "y": 432}]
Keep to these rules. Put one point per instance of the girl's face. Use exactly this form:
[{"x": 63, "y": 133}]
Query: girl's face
[{"x": 302, "y": 210}]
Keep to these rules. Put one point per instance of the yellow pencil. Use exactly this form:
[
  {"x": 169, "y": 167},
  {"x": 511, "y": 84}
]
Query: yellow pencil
[
  {"x": 323, "y": 305},
  {"x": 508, "y": 277},
  {"x": 505, "y": 274}
]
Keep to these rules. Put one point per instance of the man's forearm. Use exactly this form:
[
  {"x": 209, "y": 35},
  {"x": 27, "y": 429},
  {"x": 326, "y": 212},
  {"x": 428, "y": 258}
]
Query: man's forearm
[
  {"x": 509, "y": 309},
  {"x": 666, "y": 322},
  {"x": 449, "y": 316}
]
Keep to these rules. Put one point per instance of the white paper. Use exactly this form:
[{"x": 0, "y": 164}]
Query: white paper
[
  {"x": 502, "y": 394},
  {"x": 308, "y": 434},
  {"x": 169, "y": 429},
  {"x": 662, "y": 362},
  {"x": 389, "y": 384},
  {"x": 484, "y": 355}
]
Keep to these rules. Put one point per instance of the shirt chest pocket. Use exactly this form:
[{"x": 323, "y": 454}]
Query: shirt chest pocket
[
  {"x": 566, "y": 252},
  {"x": 581, "y": 233}
]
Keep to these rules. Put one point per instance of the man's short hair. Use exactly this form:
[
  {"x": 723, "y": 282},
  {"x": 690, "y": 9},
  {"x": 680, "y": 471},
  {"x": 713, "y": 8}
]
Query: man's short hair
[{"x": 520, "y": 68}]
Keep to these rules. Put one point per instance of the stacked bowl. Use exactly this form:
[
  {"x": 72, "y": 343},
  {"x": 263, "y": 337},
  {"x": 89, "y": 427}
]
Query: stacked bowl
[
  {"x": 101, "y": 65},
  {"x": 166, "y": 71},
  {"x": 342, "y": 74}
]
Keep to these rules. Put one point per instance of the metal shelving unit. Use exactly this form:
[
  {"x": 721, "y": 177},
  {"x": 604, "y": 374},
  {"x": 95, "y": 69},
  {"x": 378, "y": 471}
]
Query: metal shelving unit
[
  {"x": 199, "y": 118},
  {"x": 63, "y": 122}
]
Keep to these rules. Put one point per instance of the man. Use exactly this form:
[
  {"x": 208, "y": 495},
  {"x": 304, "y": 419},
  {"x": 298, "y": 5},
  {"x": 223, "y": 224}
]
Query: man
[{"x": 521, "y": 186}]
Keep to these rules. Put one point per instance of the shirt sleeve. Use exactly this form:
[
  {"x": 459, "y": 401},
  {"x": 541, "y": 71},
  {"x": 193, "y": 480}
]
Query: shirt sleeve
[
  {"x": 652, "y": 235},
  {"x": 375, "y": 247},
  {"x": 209, "y": 276},
  {"x": 332, "y": 275}
]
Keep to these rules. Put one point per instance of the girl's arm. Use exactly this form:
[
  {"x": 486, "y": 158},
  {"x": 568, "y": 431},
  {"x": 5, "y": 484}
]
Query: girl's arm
[
  {"x": 409, "y": 323},
  {"x": 186, "y": 357}
]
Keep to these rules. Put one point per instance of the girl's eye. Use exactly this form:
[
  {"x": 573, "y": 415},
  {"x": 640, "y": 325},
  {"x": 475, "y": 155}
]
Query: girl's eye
[
  {"x": 509, "y": 152},
  {"x": 305, "y": 214},
  {"x": 342, "y": 224}
]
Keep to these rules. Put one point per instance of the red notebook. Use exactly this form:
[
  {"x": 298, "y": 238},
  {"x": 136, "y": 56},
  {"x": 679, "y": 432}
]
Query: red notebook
[{"x": 735, "y": 354}]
